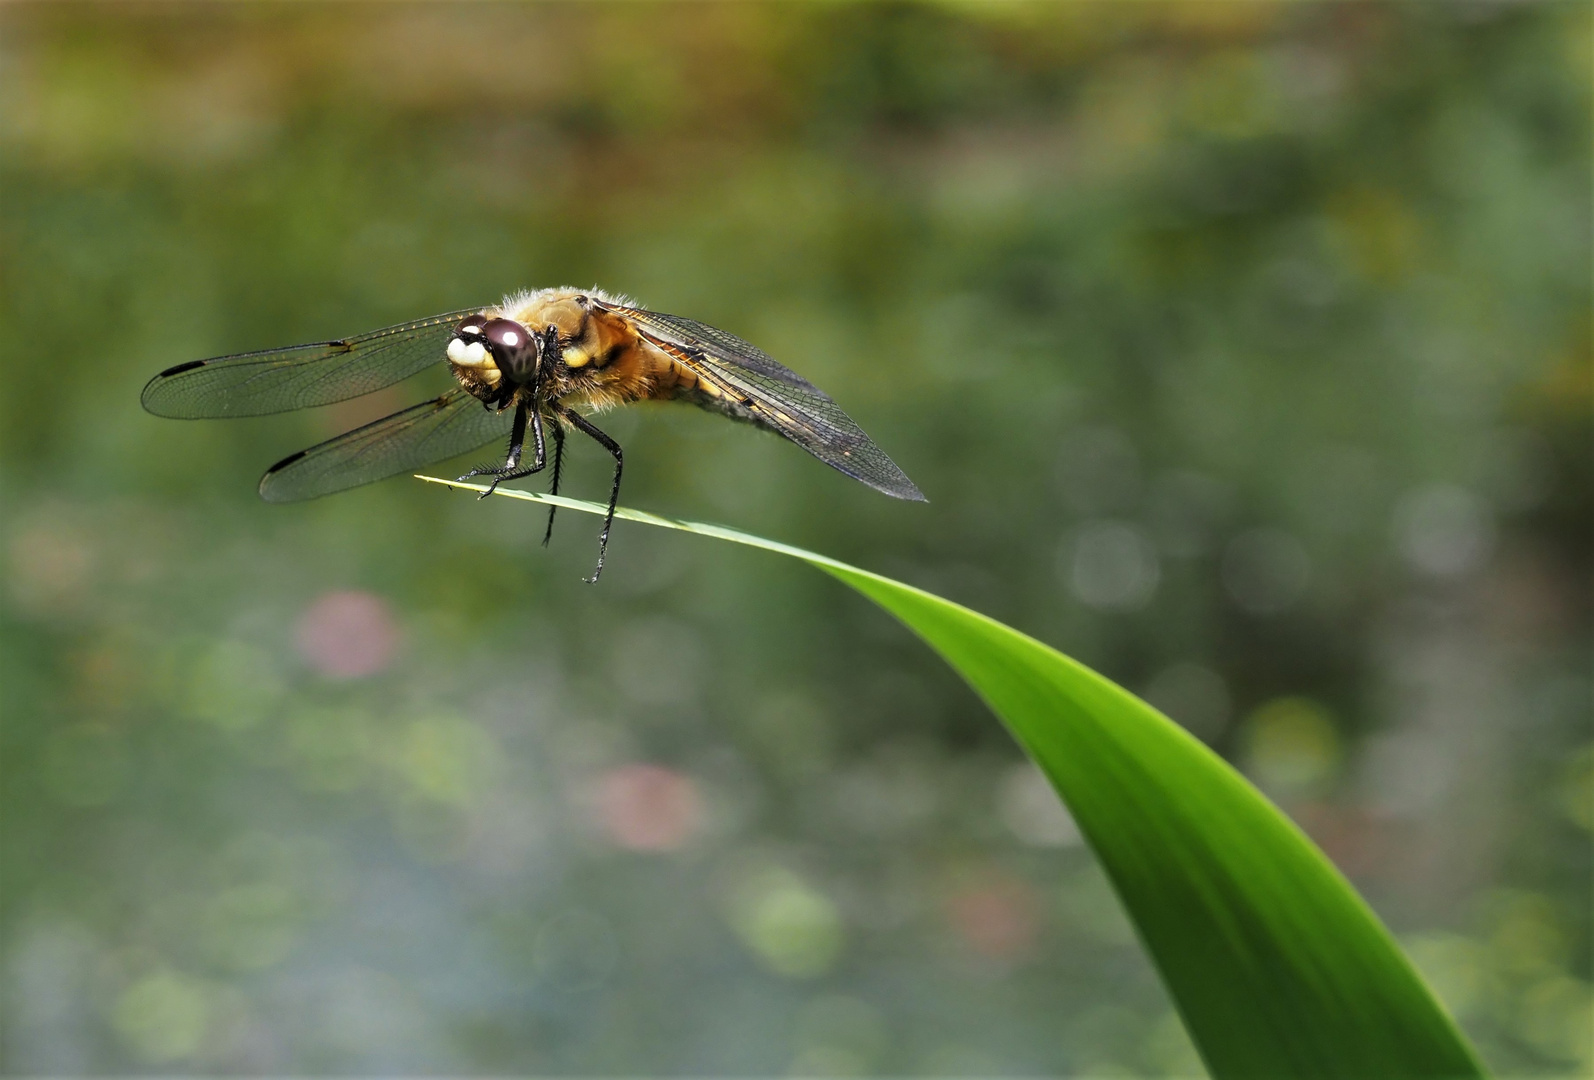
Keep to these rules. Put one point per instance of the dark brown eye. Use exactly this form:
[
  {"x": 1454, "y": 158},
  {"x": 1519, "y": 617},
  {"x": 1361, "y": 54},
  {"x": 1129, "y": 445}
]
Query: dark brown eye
[
  {"x": 471, "y": 328},
  {"x": 505, "y": 334},
  {"x": 515, "y": 349}
]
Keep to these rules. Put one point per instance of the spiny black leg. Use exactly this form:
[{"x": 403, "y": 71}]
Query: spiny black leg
[
  {"x": 580, "y": 422},
  {"x": 541, "y": 458},
  {"x": 558, "y": 463},
  {"x": 517, "y": 442},
  {"x": 510, "y": 470}
]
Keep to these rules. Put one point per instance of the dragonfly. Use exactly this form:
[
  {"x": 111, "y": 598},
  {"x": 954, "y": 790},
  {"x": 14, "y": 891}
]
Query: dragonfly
[{"x": 530, "y": 369}]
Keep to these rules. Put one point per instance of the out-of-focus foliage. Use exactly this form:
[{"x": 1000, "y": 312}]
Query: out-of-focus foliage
[{"x": 1243, "y": 351}]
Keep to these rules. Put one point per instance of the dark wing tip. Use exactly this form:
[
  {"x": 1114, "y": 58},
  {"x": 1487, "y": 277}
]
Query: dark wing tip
[
  {"x": 150, "y": 396},
  {"x": 271, "y": 474}
]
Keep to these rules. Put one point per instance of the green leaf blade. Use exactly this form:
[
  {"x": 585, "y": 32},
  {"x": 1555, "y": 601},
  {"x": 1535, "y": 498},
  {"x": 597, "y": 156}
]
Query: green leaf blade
[{"x": 1277, "y": 966}]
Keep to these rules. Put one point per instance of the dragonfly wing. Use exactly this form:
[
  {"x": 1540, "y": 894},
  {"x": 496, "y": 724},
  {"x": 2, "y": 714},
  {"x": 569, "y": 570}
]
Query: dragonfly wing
[
  {"x": 421, "y": 435},
  {"x": 776, "y": 397},
  {"x": 300, "y": 376}
]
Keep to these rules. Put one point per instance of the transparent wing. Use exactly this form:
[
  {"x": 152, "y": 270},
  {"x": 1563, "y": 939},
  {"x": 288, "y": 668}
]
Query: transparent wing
[
  {"x": 277, "y": 380},
  {"x": 421, "y": 435},
  {"x": 775, "y": 397}
]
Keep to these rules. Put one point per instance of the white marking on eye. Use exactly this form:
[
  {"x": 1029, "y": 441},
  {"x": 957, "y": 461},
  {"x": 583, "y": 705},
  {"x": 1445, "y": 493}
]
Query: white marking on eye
[
  {"x": 511, "y": 338},
  {"x": 470, "y": 329}
]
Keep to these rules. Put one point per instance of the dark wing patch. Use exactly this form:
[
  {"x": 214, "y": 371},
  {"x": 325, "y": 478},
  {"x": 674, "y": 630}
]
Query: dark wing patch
[
  {"x": 300, "y": 376},
  {"x": 421, "y": 435},
  {"x": 775, "y": 396}
]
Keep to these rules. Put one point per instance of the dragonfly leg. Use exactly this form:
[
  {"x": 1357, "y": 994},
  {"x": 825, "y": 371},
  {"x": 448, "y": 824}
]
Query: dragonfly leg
[
  {"x": 510, "y": 469},
  {"x": 558, "y": 463},
  {"x": 581, "y": 424}
]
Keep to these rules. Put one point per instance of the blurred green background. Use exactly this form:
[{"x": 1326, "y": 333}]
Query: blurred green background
[{"x": 1243, "y": 351}]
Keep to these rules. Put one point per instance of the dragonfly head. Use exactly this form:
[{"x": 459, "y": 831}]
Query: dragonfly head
[{"x": 491, "y": 350}]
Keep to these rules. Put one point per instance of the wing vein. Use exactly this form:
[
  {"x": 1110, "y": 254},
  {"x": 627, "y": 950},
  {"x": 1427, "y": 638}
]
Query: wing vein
[
  {"x": 300, "y": 376},
  {"x": 775, "y": 397}
]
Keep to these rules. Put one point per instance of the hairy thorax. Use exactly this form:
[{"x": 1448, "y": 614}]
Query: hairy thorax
[{"x": 602, "y": 360}]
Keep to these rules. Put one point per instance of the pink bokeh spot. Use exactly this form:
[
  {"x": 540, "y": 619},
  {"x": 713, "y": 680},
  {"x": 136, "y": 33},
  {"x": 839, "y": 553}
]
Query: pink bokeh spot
[
  {"x": 997, "y": 919},
  {"x": 648, "y": 807},
  {"x": 347, "y": 634}
]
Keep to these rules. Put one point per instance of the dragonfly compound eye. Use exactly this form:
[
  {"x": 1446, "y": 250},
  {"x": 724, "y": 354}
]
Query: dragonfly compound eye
[{"x": 514, "y": 348}]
